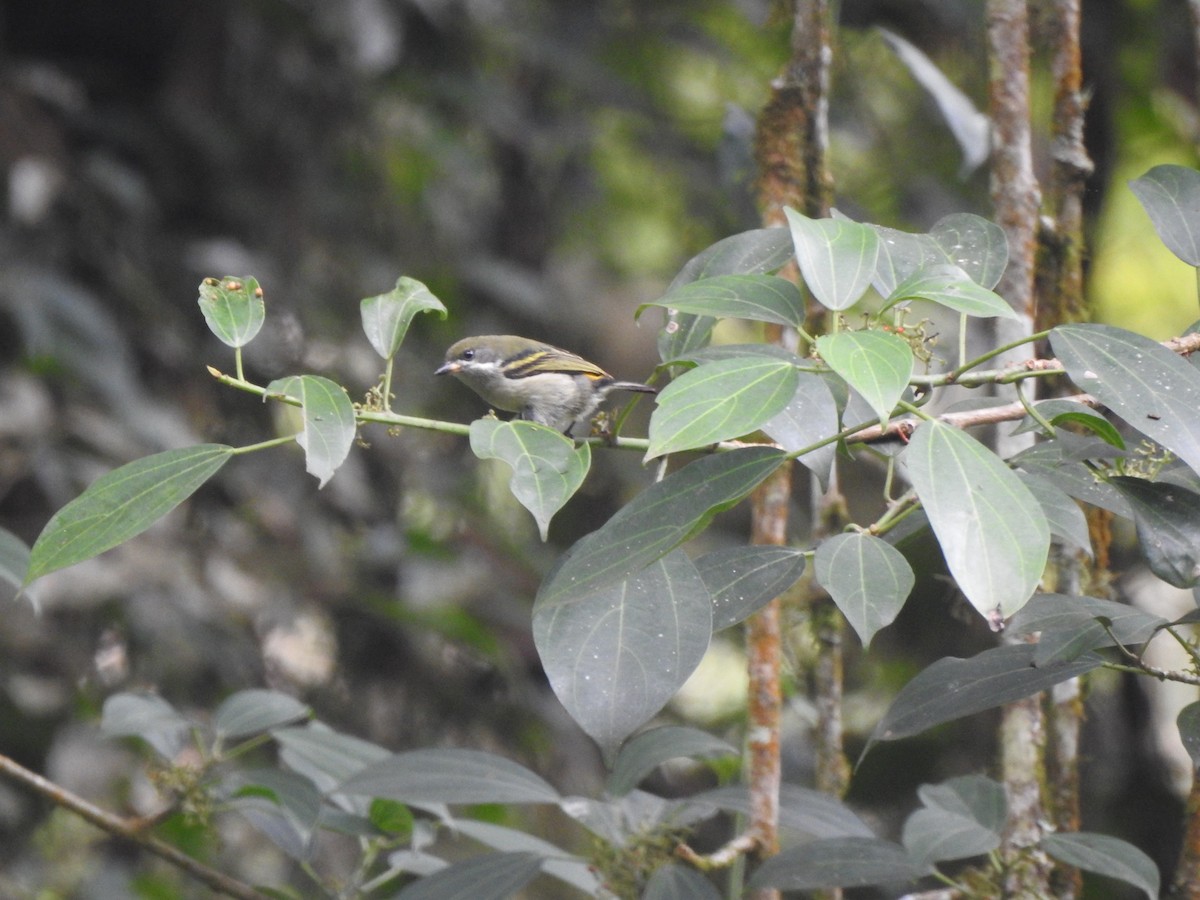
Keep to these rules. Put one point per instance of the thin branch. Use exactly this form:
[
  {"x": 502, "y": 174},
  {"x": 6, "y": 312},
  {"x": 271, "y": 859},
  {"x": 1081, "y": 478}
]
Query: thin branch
[
  {"x": 130, "y": 830},
  {"x": 742, "y": 845}
]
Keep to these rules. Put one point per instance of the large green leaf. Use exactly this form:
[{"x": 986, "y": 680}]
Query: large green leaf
[
  {"x": 742, "y": 580},
  {"x": 991, "y": 529},
  {"x": 959, "y": 818},
  {"x": 837, "y": 257},
  {"x": 449, "y": 775},
  {"x": 329, "y": 426},
  {"x": 614, "y": 656},
  {"x": 952, "y": 688},
  {"x": 386, "y": 317},
  {"x": 1105, "y": 855},
  {"x": 647, "y": 751},
  {"x": 760, "y": 298},
  {"x": 810, "y": 416},
  {"x": 838, "y": 862},
  {"x": 900, "y": 254},
  {"x": 875, "y": 363},
  {"x": 951, "y": 287},
  {"x": 233, "y": 309},
  {"x": 1142, "y": 381},
  {"x": 123, "y": 504},
  {"x": 547, "y": 467},
  {"x": 488, "y": 876},
  {"x": 657, "y": 520},
  {"x": 719, "y": 401},
  {"x": 867, "y": 578},
  {"x": 1168, "y": 528},
  {"x": 974, "y": 244},
  {"x": 1171, "y": 197},
  {"x": 1063, "y": 515}
]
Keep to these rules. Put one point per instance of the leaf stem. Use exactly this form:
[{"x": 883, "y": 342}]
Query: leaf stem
[
  {"x": 264, "y": 445},
  {"x": 1033, "y": 412},
  {"x": 955, "y": 375}
]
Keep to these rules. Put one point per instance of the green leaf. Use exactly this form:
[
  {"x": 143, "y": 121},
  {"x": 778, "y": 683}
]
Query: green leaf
[
  {"x": 329, "y": 426},
  {"x": 951, "y": 287},
  {"x": 760, "y": 298},
  {"x": 742, "y": 580},
  {"x": 719, "y": 401},
  {"x": 678, "y": 882},
  {"x": 1053, "y": 461},
  {"x": 1171, "y": 197},
  {"x": 547, "y": 467},
  {"x": 489, "y": 876},
  {"x": 1168, "y": 528},
  {"x": 570, "y": 869},
  {"x": 283, "y": 805},
  {"x": 837, "y": 257},
  {"x": 252, "y": 711},
  {"x": 838, "y": 862},
  {"x": 391, "y": 817},
  {"x": 803, "y": 813},
  {"x": 657, "y": 520},
  {"x": 1105, "y": 855},
  {"x": 148, "y": 717},
  {"x": 1062, "y": 411},
  {"x": 952, "y": 688},
  {"x": 977, "y": 246},
  {"x": 233, "y": 308},
  {"x": 867, "y": 578},
  {"x": 874, "y": 363},
  {"x": 900, "y": 254},
  {"x": 991, "y": 529},
  {"x": 449, "y": 775},
  {"x": 1142, "y": 381},
  {"x": 1188, "y": 721},
  {"x": 122, "y": 504},
  {"x": 615, "y": 655},
  {"x": 1063, "y": 515},
  {"x": 325, "y": 756},
  {"x": 386, "y": 317},
  {"x": 961, "y": 817},
  {"x": 1070, "y": 625},
  {"x": 645, "y": 752},
  {"x": 14, "y": 559},
  {"x": 810, "y": 416},
  {"x": 977, "y": 797}
]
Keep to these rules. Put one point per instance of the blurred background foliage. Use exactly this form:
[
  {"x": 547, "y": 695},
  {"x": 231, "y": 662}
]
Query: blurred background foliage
[{"x": 545, "y": 166}]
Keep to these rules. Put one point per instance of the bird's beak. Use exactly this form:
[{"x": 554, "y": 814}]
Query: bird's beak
[{"x": 448, "y": 369}]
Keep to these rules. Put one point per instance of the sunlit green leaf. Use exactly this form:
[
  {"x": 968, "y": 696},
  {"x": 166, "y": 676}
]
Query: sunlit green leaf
[
  {"x": 386, "y": 317},
  {"x": 122, "y": 504},
  {"x": 837, "y": 257},
  {"x": 867, "y": 578},
  {"x": 760, "y": 298},
  {"x": 874, "y": 363},
  {"x": 233, "y": 308},
  {"x": 1171, "y": 197},
  {"x": 328, "y": 416},
  {"x": 547, "y": 467}
]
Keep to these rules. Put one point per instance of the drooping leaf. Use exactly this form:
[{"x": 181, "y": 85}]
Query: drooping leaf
[
  {"x": 837, "y": 257},
  {"x": 952, "y": 688},
  {"x": 233, "y": 308},
  {"x": 875, "y": 363},
  {"x": 978, "y": 246},
  {"x": 1171, "y": 197},
  {"x": 328, "y": 416},
  {"x": 1105, "y": 855},
  {"x": 742, "y": 580},
  {"x": 1142, "y": 381},
  {"x": 719, "y": 401},
  {"x": 951, "y": 287},
  {"x": 615, "y": 655},
  {"x": 1168, "y": 528},
  {"x": 1063, "y": 515},
  {"x": 838, "y": 862},
  {"x": 867, "y": 578},
  {"x": 1070, "y": 625},
  {"x": 678, "y": 882},
  {"x": 386, "y": 317},
  {"x": 647, "y": 751},
  {"x": 810, "y": 416},
  {"x": 122, "y": 504},
  {"x": 449, "y": 775},
  {"x": 547, "y": 467},
  {"x": 991, "y": 529},
  {"x": 656, "y": 521},
  {"x": 488, "y": 876},
  {"x": 252, "y": 711},
  {"x": 760, "y": 298}
]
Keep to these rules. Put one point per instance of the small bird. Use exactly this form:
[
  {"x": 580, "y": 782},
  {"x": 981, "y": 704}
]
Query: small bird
[{"x": 539, "y": 382}]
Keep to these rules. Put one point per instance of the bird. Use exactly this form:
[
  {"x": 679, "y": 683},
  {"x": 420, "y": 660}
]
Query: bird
[{"x": 539, "y": 382}]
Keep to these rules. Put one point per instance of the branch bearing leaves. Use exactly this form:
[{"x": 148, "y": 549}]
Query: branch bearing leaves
[
  {"x": 1171, "y": 197},
  {"x": 252, "y": 711},
  {"x": 616, "y": 655},
  {"x": 659, "y": 519},
  {"x": 760, "y": 298},
  {"x": 1105, "y": 855},
  {"x": 233, "y": 308},
  {"x": 874, "y": 363},
  {"x": 900, "y": 254},
  {"x": 449, "y": 775},
  {"x": 122, "y": 504},
  {"x": 991, "y": 529},
  {"x": 1168, "y": 528},
  {"x": 952, "y": 688},
  {"x": 718, "y": 401},
  {"x": 950, "y": 286},
  {"x": 328, "y": 416},
  {"x": 867, "y": 578},
  {"x": 647, "y": 751},
  {"x": 810, "y": 416},
  {"x": 488, "y": 876},
  {"x": 752, "y": 252},
  {"x": 547, "y": 467},
  {"x": 838, "y": 862},
  {"x": 742, "y": 580},
  {"x": 1146, "y": 384},
  {"x": 837, "y": 257},
  {"x": 386, "y": 317},
  {"x": 974, "y": 244}
]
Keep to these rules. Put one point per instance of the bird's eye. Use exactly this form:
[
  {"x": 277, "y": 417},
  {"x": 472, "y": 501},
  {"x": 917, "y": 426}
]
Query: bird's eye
[{"x": 467, "y": 355}]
